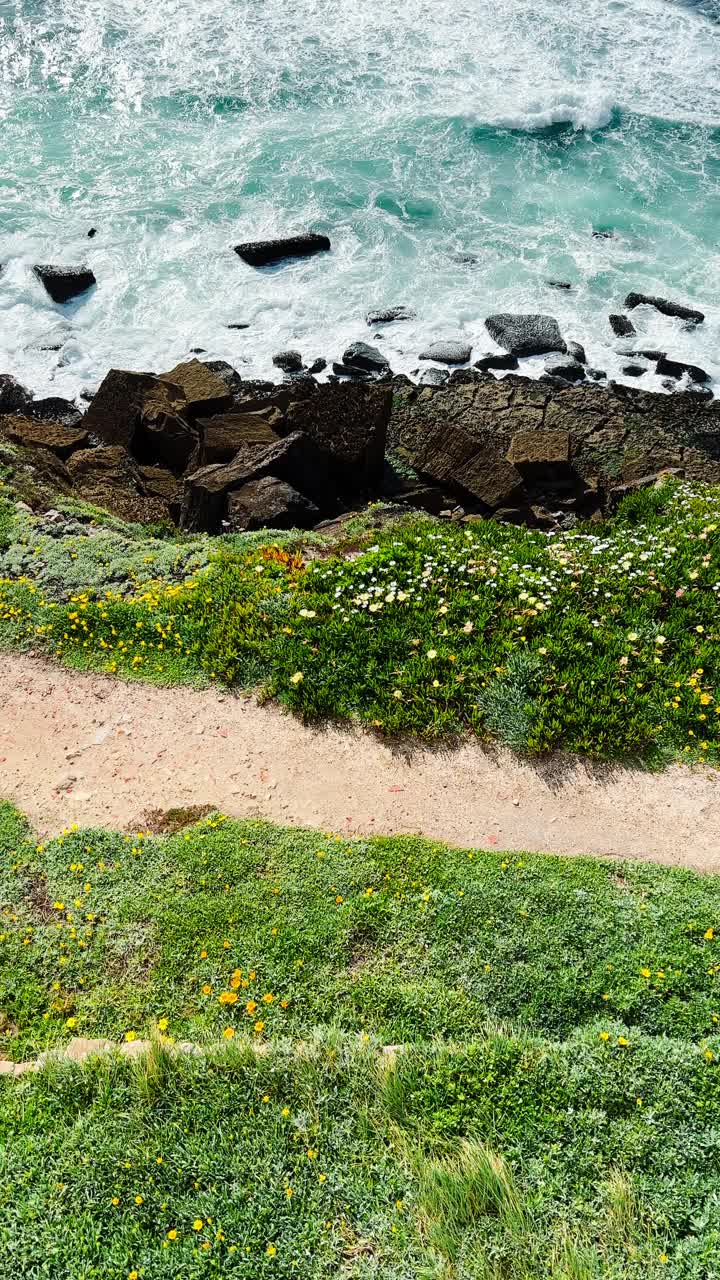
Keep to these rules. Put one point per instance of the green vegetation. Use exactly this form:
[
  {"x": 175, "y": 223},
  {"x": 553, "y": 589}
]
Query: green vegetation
[
  {"x": 551, "y": 1113},
  {"x": 602, "y": 640}
]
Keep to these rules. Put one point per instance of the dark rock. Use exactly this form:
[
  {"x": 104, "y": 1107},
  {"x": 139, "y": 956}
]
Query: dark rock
[
  {"x": 604, "y": 235},
  {"x": 464, "y": 259},
  {"x": 669, "y": 384},
  {"x": 634, "y": 370},
  {"x": 110, "y": 465},
  {"x": 351, "y": 371},
  {"x": 554, "y": 380},
  {"x": 577, "y": 351},
  {"x": 294, "y": 459},
  {"x": 198, "y": 351},
  {"x": 426, "y": 498},
  {"x": 158, "y": 482},
  {"x": 463, "y": 377},
  {"x": 222, "y": 437},
  {"x": 649, "y": 355},
  {"x": 678, "y": 369},
  {"x": 565, "y": 367},
  {"x": 64, "y": 283},
  {"x": 359, "y": 355},
  {"x": 318, "y": 366},
  {"x": 494, "y": 360},
  {"x": 433, "y": 377},
  {"x": 14, "y": 398},
  {"x": 665, "y": 307},
  {"x": 559, "y": 284},
  {"x": 230, "y": 376},
  {"x": 55, "y": 409},
  {"x": 237, "y": 326},
  {"x": 622, "y": 327},
  {"x": 259, "y": 253},
  {"x": 92, "y": 233},
  {"x": 597, "y": 375},
  {"x": 32, "y": 434},
  {"x": 390, "y": 314},
  {"x": 348, "y": 424},
  {"x": 121, "y": 401},
  {"x": 447, "y": 352},
  {"x": 204, "y": 390},
  {"x": 288, "y": 361},
  {"x": 269, "y": 503},
  {"x": 164, "y": 437},
  {"x": 525, "y": 335}
]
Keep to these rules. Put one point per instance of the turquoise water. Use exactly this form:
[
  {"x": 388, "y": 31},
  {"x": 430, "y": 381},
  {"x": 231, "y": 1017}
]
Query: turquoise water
[{"x": 411, "y": 134}]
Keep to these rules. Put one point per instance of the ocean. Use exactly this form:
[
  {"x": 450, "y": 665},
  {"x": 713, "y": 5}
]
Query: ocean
[{"x": 459, "y": 155}]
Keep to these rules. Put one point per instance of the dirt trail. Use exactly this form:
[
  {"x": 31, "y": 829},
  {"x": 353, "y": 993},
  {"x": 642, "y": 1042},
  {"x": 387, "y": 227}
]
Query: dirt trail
[{"x": 86, "y": 749}]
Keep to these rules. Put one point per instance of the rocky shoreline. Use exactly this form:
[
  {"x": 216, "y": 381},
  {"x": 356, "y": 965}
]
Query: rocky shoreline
[{"x": 206, "y": 450}]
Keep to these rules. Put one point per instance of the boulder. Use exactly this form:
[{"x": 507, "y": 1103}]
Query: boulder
[
  {"x": 222, "y": 437},
  {"x": 121, "y": 401},
  {"x": 526, "y": 335},
  {"x": 666, "y": 308},
  {"x": 694, "y": 389},
  {"x": 288, "y": 361},
  {"x": 447, "y": 352},
  {"x": 164, "y": 437},
  {"x": 259, "y": 253},
  {"x": 565, "y": 367},
  {"x": 389, "y": 314},
  {"x": 433, "y": 377},
  {"x": 269, "y": 503},
  {"x": 294, "y": 459},
  {"x": 577, "y": 351},
  {"x": 110, "y": 465},
  {"x": 64, "y": 283},
  {"x": 559, "y": 284},
  {"x": 348, "y": 423},
  {"x": 634, "y": 370},
  {"x": 678, "y": 369},
  {"x": 55, "y": 436},
  {"x": 230, "y": 376},
  {"x": 318, "y": 366},
  {"x": 205, "y": 391},
  {"x": 350, "y": 371},
  {"x": 622, "y": 327},
  {"x": 497, "y": 360},
  {"x": 14, "y": 398},
  {"x": 359, "y": 355},
  {"x": 159, "y": 482}
]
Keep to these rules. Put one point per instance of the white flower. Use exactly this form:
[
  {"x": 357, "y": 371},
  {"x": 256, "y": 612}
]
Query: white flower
[
  {"x": 308, "y": 613},
  {"x": 297, "y": 677},
  {"x": 432, "y": 653}
]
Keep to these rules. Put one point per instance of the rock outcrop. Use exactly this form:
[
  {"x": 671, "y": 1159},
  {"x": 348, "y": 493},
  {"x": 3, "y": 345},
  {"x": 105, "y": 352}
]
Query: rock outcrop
[
  {"x": 64, "y": 283},
  {"x": 260, "y": 253},
  {"x": 526, "y": 335},
  {"x": 666, "y": 308}
]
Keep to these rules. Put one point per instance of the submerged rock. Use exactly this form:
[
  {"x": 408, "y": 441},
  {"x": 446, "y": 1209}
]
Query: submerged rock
[
  {"x": 13, "y": 396},
  {"x": 390, "y": 314},
  {"x": 664, "y": 306},
  {"x": 678, "y": 369},
  {"x": 634, "y": 370},
  {"x": 621, "y": 326},
  {"x": 318, "y": 366},
  {"x": 497, "y": 360},
  {"x": 448, "y": 351},
  {"x": 64, "y": 283},
  {"x": 259, "y": 253},
  {"x": 559, "y": 284},
  {"x": 525, "y": 335},
  {"x": 433, "y": 377},
  {"x": 565, "y": 367}
]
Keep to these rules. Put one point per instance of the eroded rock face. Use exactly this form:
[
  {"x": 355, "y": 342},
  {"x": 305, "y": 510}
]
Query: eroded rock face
[
  {"x": 35, "y": 434},
  {"x": 205, "y": 392},
  {"x": 525, "y": 335},
  {"x": 348, "y": 423},
  {"x": 122, "y": 399}
]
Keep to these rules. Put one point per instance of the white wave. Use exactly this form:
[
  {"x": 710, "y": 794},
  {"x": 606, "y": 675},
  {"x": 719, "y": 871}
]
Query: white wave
[{"x": 578, "y": 112}]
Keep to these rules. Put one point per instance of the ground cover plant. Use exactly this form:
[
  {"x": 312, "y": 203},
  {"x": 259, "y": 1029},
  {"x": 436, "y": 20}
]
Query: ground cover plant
[
  {"x": 549, "y": 1108},
  {"x": 600, "y": 640}
]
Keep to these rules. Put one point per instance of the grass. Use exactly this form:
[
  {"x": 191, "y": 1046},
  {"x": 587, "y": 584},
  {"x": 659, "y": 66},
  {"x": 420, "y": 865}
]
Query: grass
[
  {"x": 602, "y": 640},
  {"x": 551, "y": 1114}
]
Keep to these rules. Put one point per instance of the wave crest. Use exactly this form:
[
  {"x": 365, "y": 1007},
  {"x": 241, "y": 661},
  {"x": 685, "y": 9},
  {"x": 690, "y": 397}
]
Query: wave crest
[{"x": 580, "y": 113}]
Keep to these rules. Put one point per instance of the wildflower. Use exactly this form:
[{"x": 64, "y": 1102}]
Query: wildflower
[
  {"x": 163, "y": 1024},
  {"x": 312, "y": 1154},
  {"x": 198, "y": 1224},
  {"x": 285, "y": 1112},
  {"x": 268, "y": 997},
  {"x": 709, "y": 1056},
  {"x": 709, "y": 934},
  {"x": 271, "y": 1251},
  {"x": 259, "y": 1028},
  {"x": 172, "y": 1235},
  {"x": 297, "y": 678},
  {"x": 251, "y": 1007},
  {"x": 322, "y": 1177},
  {"x": 289, "y": 1192},
  {"x": 115, "y": 1201},
  {"x": 604, "y": 1035},
  {"x": 623, "y": 1042},
  {"x": 207, "y": 989},
  {"x": 397, "y": 693},
  {"x": 645, "y": 973},
  {"x": 228, "y": 997},
  {"x": 139, "y": 1199},
  {"x": 228, "y": 1033},
  {"x": 432, "y": 653},
  {"x": 130, "y": 1036},
  {"x": 70, "y": 1023}
]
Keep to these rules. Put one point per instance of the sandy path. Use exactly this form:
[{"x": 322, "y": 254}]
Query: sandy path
[{"x": 86, "y": 749}]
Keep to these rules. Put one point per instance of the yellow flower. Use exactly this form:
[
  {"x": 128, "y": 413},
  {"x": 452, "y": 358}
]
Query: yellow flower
[
  {"x": 228, "y": 997},
  {"x": 289, "y": 1192},
  {"x": 268, "y": 997},
  {"x": 338, "y": 898},
  {"x": 645, "y": 973},
  {"x": 115, "y": 1201},
  {"x": 130, "y": 1036},
  {"x": 271, "y": 1251},
  {"x": 285, "y": 1112},
  {"x": 198, "y": 1224},
  {"x": 132, "y": 1275},
  {"x": 709, "y": 934},
  {"x": 172, "y": 1235},
  {"x": 251, "y": 1007},
  {"x": 259, "y": 1028},
  {"x": 203, "y": 955},
  {"x": 163, "y": 1024},
  {"x": 604, "y": 1035},
  {"x": 207, "y": 989},
  {"x": 311, "y": 1154},
  {"x": 226, "y": 945},
  {"x": 709, "y": 1056},
  {"x": 296, "y": 679},
  {"x": 70, "y": 1023},
  {"x": 623, "y": 1042},
  {"x": 322, "y": 1177},
  {"x": 663, "y": 1258},
  {"x": 139, "y": 1199},
  {"x": 228, "y": 1033}
]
